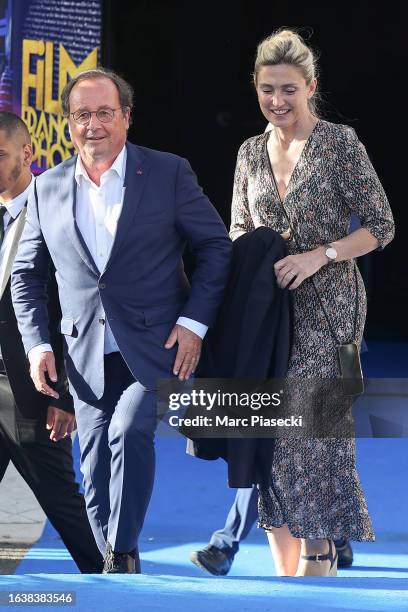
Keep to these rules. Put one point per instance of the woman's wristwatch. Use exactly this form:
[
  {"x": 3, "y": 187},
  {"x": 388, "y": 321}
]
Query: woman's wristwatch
[{"x": 330, "y": 252}]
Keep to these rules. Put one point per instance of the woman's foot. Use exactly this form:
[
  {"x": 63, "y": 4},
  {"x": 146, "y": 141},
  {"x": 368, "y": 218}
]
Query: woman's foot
[{"x": 318, "y": 558}]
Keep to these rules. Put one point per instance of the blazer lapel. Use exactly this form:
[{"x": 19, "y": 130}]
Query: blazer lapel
[
  {"x": 18, "y": 230},
  {"x": 137, "y": 170},
  {"x": 68, "y": 188}
]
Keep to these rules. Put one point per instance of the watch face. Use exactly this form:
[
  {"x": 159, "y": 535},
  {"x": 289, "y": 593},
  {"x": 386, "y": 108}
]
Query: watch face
[{"x": 331, "y": 253}]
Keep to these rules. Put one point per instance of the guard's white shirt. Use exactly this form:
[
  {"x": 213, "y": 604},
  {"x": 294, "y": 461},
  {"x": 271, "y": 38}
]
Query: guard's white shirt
[{"x": 14, "y": 208}]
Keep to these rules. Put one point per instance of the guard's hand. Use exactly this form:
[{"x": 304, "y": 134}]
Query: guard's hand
[
  {"x": 189, "y": 351},
  {"x": 61, "y": 423},
  {"x": 292, "y": 270},
  {"x": 40, "y": 363}
]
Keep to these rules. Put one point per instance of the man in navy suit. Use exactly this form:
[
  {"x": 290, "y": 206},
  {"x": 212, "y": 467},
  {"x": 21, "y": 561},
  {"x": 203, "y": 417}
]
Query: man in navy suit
[{"x": 114, "y": 221}]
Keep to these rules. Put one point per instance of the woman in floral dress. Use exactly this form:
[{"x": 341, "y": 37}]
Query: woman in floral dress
[{"x": 304, "y": 178}]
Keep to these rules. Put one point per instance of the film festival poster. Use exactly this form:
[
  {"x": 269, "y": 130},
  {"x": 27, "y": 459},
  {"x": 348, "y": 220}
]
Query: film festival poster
[{"x": 44, "y": 43}]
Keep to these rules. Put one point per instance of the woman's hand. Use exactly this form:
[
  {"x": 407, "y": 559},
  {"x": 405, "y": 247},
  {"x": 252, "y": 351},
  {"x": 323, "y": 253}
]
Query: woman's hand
[{"x": 292, "y": 270}]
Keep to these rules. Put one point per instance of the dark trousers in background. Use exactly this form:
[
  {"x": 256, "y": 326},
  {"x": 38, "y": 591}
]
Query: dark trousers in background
[
  {"x": 47, "y": 468},
  {"x": 116, "y": 437},
  {"x": 240, "y": 520}
]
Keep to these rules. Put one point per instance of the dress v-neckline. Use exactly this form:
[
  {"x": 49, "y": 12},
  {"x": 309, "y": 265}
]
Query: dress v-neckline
[{"x": 302, "y": 153}]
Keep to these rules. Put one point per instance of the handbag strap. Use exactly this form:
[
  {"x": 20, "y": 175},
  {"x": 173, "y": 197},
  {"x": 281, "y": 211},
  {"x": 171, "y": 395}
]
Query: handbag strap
[{"x": 333, "y": 333}]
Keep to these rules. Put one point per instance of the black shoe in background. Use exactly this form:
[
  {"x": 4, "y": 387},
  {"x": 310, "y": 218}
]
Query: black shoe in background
[
  {"x": 120, "y": 563},
  {"x": 345, "y": 553},
  {"x": 212, "y": 560}
]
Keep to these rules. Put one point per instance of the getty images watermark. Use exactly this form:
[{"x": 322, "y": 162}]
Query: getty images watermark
[
  {"x": 287, "y": 408},
  {"x": 247, "y": 408},
  {"x": 194, "y": 405}
]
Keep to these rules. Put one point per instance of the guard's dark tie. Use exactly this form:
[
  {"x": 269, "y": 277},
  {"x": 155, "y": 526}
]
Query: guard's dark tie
[{"x": 3, "y": 211}]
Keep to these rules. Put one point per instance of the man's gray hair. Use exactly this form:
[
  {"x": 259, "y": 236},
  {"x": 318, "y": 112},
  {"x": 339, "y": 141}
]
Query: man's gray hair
[{"x": 125, "y": 90}]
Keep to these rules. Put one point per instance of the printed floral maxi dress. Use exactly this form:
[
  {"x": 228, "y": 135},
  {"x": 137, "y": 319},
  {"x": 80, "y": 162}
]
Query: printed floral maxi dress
[{"x": 315, "y": 488}]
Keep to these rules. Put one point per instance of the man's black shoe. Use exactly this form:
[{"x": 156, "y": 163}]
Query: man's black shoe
[
  {"x": 345, "y": 553},
  {"x": 213, "y": 560},
  {"x": 120, "y": 563}
]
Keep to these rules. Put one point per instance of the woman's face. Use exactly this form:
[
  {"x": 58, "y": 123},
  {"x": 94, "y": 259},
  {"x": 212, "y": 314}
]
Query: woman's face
[{"x": 283, "y": 94}]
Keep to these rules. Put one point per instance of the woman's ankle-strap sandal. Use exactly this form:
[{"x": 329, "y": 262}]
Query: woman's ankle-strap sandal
[{"x": 325, "y": 557}]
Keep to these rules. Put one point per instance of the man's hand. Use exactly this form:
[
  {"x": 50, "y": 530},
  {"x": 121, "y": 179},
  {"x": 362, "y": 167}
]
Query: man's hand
[
  {"x": 292, "y": 270},
  {"x": 40, "y": 363},
  {"x": 61, "y": 423},
  {"x": 189, "y": 351}
]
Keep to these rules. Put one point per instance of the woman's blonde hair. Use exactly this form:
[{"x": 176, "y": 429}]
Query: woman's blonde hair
[{"x": 286, "y": 46}]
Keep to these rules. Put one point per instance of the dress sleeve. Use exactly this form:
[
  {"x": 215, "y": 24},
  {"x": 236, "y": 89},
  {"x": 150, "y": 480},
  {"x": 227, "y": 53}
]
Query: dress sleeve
[
  {"x": 361, "y": 189},
  {"x": 241, "y": 220}
]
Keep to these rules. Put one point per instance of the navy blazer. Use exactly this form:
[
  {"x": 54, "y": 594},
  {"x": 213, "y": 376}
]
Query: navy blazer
[
  {"x": 251, "y": 339},
  {"x": 143, "y": 288}
]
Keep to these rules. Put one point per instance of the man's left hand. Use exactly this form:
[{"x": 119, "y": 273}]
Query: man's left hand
[
  {"x": 189, "y": 351},
  {"x": 61, "y": 423}
]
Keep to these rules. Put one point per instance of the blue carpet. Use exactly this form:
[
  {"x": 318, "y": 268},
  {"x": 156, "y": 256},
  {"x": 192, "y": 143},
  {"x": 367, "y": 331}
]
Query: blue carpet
[{"x": 191, "y": 499}]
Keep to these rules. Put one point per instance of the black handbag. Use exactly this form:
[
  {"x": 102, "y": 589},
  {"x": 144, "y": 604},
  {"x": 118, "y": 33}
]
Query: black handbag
[{"x": 348, "y": 353}]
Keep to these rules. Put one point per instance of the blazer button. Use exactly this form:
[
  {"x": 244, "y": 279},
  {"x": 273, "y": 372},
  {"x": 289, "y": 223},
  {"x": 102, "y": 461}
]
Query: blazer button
[{"x": 102, "y": 286}]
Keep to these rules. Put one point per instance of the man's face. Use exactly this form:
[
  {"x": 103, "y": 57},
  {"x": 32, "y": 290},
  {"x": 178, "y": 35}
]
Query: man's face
[
  {"x": 97, "y": 141},
  {"x": 13, "y": 157}
]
